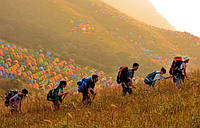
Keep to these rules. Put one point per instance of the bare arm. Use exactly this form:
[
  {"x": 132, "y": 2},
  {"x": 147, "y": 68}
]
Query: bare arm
[
  {"x": 168, "y": 77},
  {"x": 131, "y": 82},
  {"x": 185, "y": 71}
]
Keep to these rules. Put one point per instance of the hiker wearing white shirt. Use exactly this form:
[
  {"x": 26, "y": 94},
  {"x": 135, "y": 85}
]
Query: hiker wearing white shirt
[
  {"x": 181, "y": 75},
  {"x": 152, "y": 78}
]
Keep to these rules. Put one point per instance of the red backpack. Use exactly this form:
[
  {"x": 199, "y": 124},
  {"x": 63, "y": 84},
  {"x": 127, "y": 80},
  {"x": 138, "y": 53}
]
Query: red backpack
[
  {"x": 122, "y": 74},
  {"x": 175, "y": 67}
]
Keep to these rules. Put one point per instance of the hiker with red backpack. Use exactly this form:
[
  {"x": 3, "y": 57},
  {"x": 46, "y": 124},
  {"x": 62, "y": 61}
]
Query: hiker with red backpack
[
  {"x": 178, "y": 70},
  {"x": 125, "y": 77},
  {"x": 86, "y": 87},
  {"x": 152, "y": 78}
]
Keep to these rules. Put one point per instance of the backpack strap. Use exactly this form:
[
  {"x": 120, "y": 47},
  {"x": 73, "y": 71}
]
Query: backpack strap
[{"x": 122, "y": 69}]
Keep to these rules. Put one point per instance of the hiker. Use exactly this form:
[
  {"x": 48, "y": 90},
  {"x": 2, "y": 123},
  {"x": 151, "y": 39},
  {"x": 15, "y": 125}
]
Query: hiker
[
  {"x": 178, "y": 70},
  {"x": 57, "y": 95},
  {"x": 152, "y": 78},
  {"x": 86, "y": 87},
  {"x": 180, "y": 75},
  {"x": 125, "y": 77},
  {"x": 15, "y": 101}
]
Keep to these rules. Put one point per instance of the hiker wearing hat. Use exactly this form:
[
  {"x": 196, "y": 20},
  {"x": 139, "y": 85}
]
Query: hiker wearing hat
[
  {"x": 185, "y": 61},
  {"x": 57, "y": 95},
  {"x": 178, "y": 70},
  {"x": 15, "y": 101}
]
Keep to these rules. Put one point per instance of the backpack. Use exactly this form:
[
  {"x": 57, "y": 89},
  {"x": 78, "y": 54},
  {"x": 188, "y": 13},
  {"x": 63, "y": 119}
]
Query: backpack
[
  {"x": 122, "y": 74},
  {"x": 176, "y": 66},
  {"x": 83, "y": 82},
  {"x": 149, "y": 78},
  {"x": 9, "y": 95},
  {"x": 51, "y": 94}
]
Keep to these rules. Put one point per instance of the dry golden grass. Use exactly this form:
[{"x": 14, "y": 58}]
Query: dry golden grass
[{"x": 165, "y": 107}]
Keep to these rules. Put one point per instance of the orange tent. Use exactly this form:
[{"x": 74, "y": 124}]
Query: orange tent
[
  {"x": 15, "y": 62},
  {"x": 42, "y": 55},
  {"x": 8, "y": 60},
  {"x": 1, "y": 52}
]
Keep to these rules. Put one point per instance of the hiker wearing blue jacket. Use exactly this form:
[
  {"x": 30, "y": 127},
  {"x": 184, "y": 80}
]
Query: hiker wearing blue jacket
[
  {"x": 152, "y": 78},
  {"x": 86, "y": 87}
]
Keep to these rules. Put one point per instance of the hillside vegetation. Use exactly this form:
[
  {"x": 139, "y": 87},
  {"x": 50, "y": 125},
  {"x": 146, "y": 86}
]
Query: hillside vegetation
[
  {"x": 165, "y": 107},
  {"x": 93, "y": 34},
  {"x": 142, "y": 10}
]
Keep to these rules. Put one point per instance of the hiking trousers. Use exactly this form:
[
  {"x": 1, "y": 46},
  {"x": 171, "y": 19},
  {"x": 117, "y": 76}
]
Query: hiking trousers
[
  {"x": 179, "y": 79},
  {"x": 56, "y": 104},
  {"x": 86, "y": 95},
  {"x": 14, "y": 108},
  {"x": 126, "y": 88}
]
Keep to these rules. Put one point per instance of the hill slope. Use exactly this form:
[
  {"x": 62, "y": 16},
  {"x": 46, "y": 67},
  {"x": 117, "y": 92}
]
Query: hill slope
[
  {"x": 92, "y": 33},
  {"x": 141, "y": 10},
  {"x": 165, "y": 107}
]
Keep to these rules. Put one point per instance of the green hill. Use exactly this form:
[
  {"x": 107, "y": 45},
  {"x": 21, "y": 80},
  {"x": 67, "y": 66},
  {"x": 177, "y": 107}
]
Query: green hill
[{"x": 92, "y": 33}]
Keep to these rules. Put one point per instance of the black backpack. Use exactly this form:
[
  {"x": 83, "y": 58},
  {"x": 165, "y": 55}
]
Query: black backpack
[
  {"x": 9, "y": 95},
  {"x": 176, "y": 65},
  {"x": 122, "y": 74},
  {"x": 51, "y": 94}
]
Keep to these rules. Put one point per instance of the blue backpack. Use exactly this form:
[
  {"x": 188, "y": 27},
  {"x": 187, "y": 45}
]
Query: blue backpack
[
  {"x": 149, "y": 78},
  {"x": 82, "y": 83}
]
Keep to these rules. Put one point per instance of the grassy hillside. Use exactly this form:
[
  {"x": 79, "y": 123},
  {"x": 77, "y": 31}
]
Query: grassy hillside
[
  {"x": 41, "y": 69},
  {"x": 92, "y": 33},
  {"x": 165, "y": 107},
  {"x": 142, "y": 10}
]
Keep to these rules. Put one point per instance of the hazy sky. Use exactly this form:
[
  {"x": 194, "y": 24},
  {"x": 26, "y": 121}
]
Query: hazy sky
[{"x": 184, "y": 15}]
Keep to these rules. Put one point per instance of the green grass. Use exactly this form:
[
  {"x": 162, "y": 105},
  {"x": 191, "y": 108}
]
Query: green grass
[{"x": 165, "y": 107}]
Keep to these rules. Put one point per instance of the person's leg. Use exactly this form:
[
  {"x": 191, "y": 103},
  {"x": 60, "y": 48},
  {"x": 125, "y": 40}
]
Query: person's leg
[
  {"x": 84, "y": 97},
  {"x": 178, "y": 81},
  {"x": 182, "y": 78},
  {"x": 130, "y": 91},
  {"x": 56, "y": 104},
  {"x": 124, "y": 91},
  {"x": 92, "y": 92},
  {"x": 13, "y": 109},
  {"x": 149, "y": 87}
]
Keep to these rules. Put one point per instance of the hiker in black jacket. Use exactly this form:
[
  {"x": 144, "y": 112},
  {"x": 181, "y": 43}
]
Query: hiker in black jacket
[{"x": 125, "y": 77}]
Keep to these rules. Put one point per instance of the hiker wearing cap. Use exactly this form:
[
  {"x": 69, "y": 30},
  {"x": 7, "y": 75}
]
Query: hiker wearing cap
[
  {"x": 15, "y": 101},
  {"x": 86, "y": 87},
  {"x": 185, "y": 61},
  {"x": 57, "y": 95},
  {"x": 180, "y": 77},
  {"x": 125, "y": 77},
  {"x": 152, "y": 78},
  {"x": 178, "y": 70}
]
